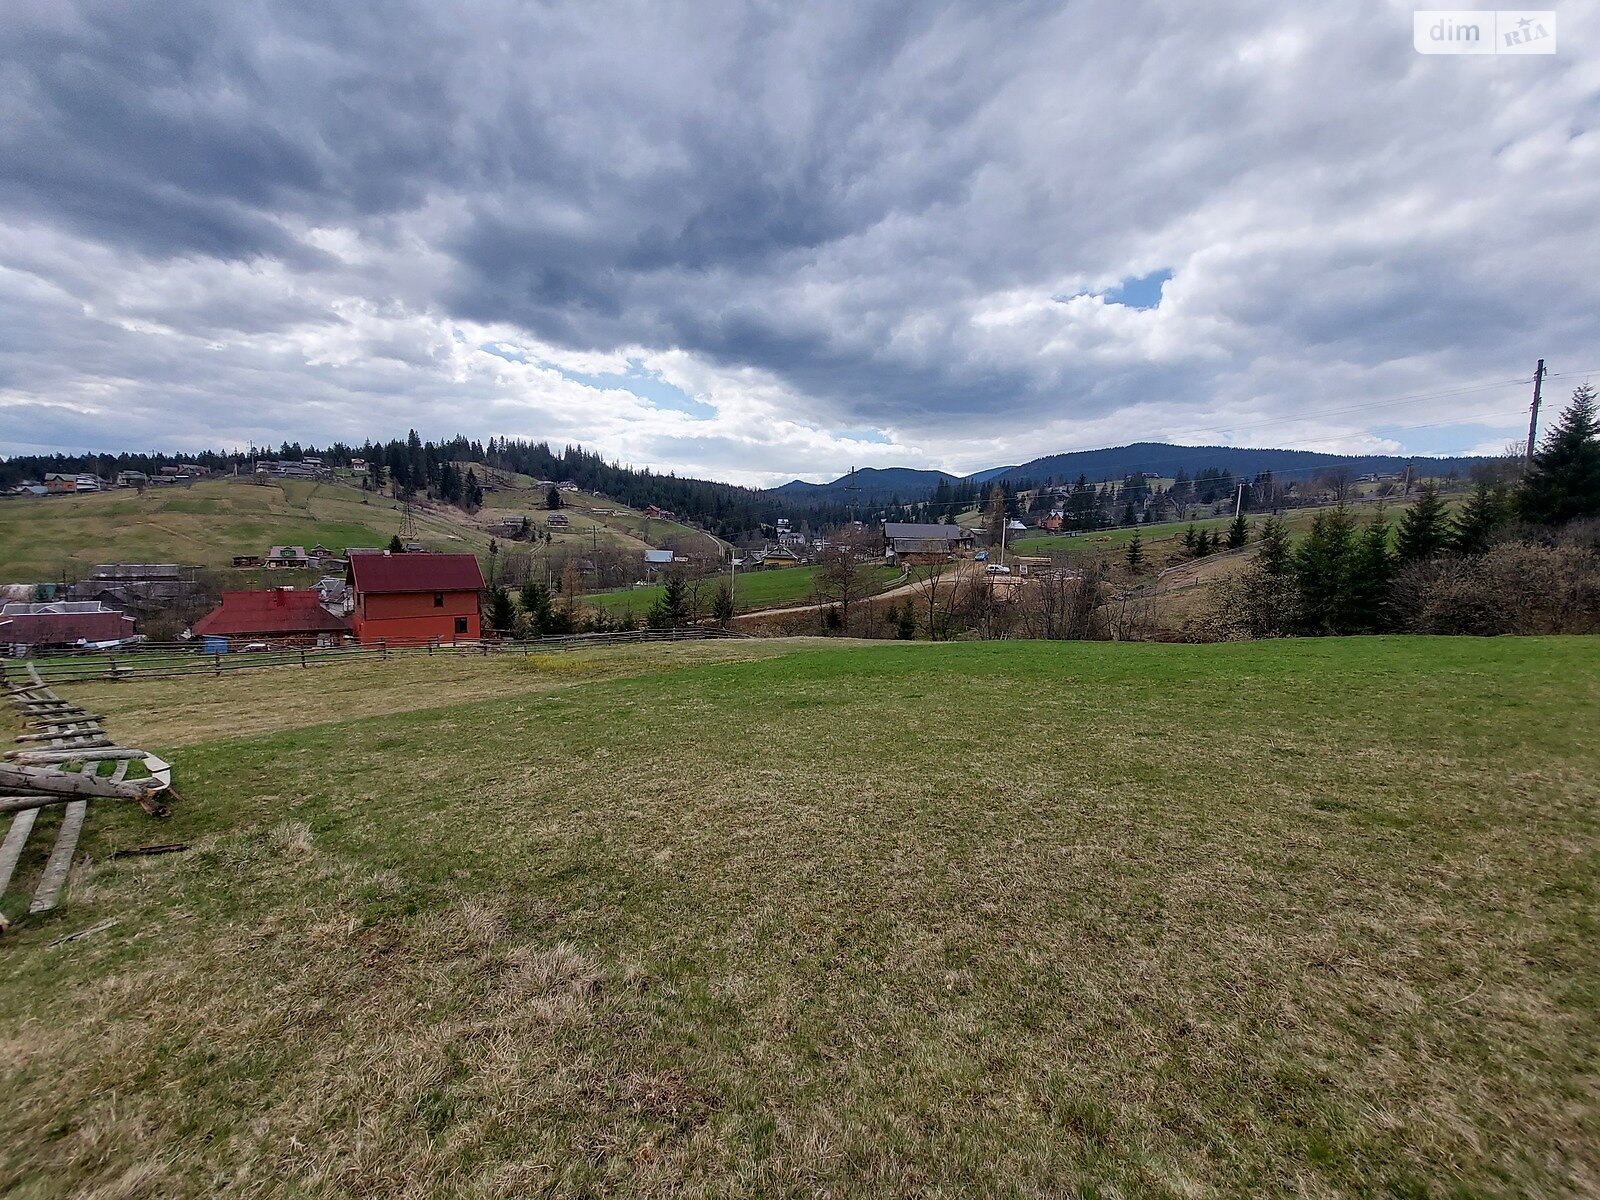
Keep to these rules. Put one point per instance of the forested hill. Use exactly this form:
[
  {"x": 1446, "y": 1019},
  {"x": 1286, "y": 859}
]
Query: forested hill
[
  {"x": 876, "y": 486},
  {"x": 1167, "y": 460},
  {"x": 415, "y": 466}
]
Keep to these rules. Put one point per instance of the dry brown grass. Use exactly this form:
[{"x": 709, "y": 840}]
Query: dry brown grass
[{"x": 193, "y": 709}]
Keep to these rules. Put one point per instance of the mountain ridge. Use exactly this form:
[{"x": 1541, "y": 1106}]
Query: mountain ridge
[{"x": 1166, "y": 459}]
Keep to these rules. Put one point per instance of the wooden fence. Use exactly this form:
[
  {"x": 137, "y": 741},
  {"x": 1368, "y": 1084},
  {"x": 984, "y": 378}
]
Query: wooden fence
[{"x": 154, "y": 660}]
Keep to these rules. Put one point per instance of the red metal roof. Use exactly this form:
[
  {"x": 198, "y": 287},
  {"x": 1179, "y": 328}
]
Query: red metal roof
[
  {"x": 375, "y": 574},
  {"x": 270, "y": 612}
]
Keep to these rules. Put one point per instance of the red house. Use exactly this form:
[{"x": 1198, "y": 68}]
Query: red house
[
  {"x": 62, "y": 623},
  {"x": 406, "y": 599},
  {"x": 279, "y": 615}
]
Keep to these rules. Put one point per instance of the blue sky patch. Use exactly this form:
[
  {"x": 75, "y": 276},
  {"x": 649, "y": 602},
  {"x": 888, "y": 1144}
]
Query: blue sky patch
[
  {"x": 646, "y": 384},
  {"x": 1143, "y": 292},
  {"x": 1445, "y": 439}
]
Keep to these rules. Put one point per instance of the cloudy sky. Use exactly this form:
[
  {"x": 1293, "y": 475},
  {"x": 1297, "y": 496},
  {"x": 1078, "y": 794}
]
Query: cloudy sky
[{"x": 760, "y": 241}]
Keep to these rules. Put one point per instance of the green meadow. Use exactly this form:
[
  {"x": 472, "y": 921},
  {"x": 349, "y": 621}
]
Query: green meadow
[{"x": 809, "y": 918}]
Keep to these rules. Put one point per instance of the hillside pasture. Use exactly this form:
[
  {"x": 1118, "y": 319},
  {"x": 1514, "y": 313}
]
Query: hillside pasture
[
  {"x": 1308, "y": 918},
  {"x": 208, "y": 523}
]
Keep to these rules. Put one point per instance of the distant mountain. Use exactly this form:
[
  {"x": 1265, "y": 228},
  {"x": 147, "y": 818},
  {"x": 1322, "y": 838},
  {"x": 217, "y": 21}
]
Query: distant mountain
[
  {"x": 1166, "y": 460},
  {"x": 882, "y": 485},
  {"x": 874, "y": 485}
]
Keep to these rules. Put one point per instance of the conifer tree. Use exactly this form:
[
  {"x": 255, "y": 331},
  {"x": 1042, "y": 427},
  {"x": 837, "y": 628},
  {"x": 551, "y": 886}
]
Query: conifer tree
[
  {"x": 1371, "y": 571},
  {"x": 905, "y": 627},
  {"x": 1479, "y": 518},
  {"x": 1189, "y": 539},
  {"x": 1273, "y": 556},
  {"x": 396, "y": 546},
  {"x": 1239, "y": 533},
  {"x": 1564, "y": 482},
  {"x": 500, "y": 612},
  {"x": 1202, "y": 544},
  {"x": 1323, "y": 565},
  {"x": 722, "y": 605},
  {"x": 1423, "y": 532},
  {"x": 1135, "y": 553}
]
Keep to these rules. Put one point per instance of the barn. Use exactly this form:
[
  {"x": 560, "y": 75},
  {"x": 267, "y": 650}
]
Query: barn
[{"x": 408, "y": 599}]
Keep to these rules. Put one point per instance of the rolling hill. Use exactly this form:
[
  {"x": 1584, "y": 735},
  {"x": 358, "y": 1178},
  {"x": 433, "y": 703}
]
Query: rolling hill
[{"x": 880, "y": 485}]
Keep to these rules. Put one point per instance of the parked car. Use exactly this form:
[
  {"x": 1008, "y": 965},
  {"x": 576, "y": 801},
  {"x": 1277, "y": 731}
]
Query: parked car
[
  {"x": 998, "y": 569},
  {"x": 981, "y": 556}
]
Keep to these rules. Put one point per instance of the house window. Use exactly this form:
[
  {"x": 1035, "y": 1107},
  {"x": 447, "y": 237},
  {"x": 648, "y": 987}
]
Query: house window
[
  {"x": 438, "y": 599},
  {"x": 461, "y": 626}
]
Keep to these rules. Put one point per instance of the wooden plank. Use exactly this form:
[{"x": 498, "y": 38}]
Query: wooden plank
[
  {"x": 11, "y": 848},
  {"x": 36, "y": 756},
  {"x": 33, "y": 674},
  {"x": 59, "y": 863},
  {"x": 66, "y": 783},
  {"x": 121, "y": 772},
  {"x": 25, "y": 802}
]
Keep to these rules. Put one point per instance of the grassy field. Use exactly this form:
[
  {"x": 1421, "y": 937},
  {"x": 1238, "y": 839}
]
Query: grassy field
[
  {"x": 799, "y": 918},
  {"x": 208, "y": 523},
  {"x": 752, "y": 590}
]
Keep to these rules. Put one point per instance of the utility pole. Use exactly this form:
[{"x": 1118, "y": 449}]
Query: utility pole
[
  {"x": 1238, "y": 503},
  {"x": 852, "y": 489},
  {"x": 1533, "y": 416}
]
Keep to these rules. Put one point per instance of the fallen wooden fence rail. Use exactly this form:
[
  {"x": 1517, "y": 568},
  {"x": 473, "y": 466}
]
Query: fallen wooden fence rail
[{"x": 59, "y": 764}]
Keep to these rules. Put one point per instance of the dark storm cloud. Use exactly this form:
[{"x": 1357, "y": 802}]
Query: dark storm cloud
[{"x": 852, "y": 216}]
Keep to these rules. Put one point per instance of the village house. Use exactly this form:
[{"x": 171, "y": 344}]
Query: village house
[
  {"x": 128, "y": 479},
  {"x": 652, "y": 513},
  {"x": 558, "y": 521},
  {"x": 247, "y": 560},
  {"x": 287, "y": 558},
  {"x": 28, "y": 627},
  {"x": 413, "y": 598},
  {"x": 781, "y": 556},
  {"x": 143, "y": 586},
  {"x": 280, "y": 615},
  {"x": 911, "y": 544}
]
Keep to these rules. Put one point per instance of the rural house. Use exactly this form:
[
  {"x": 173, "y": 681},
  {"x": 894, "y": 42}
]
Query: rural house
[
  {"x": 278, "y": 615},
  {"x": 413, "y": 598},
  {"x": 290, "y": 557},
  {"x": 27, "y": 627},
  {"x": 910, "y": 544}
]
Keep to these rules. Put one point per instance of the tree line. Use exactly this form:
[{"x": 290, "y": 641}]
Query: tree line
[{"x": 1519, "y": 557}]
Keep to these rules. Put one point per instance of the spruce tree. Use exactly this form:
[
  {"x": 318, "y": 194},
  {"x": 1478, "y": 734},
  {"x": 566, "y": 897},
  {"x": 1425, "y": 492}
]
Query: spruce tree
[
  {"x": 1202, "y": 544},
  {"x": 1371, "y": 572},
  {"x": 552, "y": 498},
  {"x": 1239, "y": 533},
  {"x": 722, "y": 605},
  {"x": 1135, "y": 553},
  {"x": 1480, "y": 517},
  {"x": 1423, "y": 532},
  {"x": 396, "y": 546},
  {"x": 906, "y": 622},
  {"x": 1273, "y": 556},
  {"x": 1189, "y": 539},
  {"x": 1564, "y": 482},
  {"x": 1323, "y": 564},
  {"x": 500, "y": 611}
]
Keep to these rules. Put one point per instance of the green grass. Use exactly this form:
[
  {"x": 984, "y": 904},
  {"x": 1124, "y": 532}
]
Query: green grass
[
  {"x": 752, "y": 590},
  {"x": 208, "y": 523},
  {"x": 1295, "y": 918}
]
